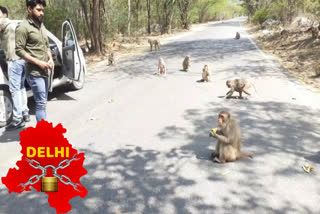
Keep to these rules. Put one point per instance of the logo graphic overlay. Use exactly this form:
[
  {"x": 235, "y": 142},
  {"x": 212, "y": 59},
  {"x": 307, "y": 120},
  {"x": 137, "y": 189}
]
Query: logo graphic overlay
[{"x": 49, "y": 164}]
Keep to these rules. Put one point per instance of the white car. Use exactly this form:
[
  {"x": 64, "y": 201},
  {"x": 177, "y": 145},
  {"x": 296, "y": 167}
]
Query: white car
[{"x": 70, "y": 68}]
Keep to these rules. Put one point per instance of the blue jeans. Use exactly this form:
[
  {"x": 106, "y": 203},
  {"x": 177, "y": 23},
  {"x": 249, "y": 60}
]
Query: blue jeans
[
  {"x": 16, "y": 72},
  {"x": 39, "y": 87}
]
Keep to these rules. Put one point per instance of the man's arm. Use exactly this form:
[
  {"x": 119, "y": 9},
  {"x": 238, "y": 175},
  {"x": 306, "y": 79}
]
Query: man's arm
[
  {"x": 50, "y": 61},
  {"x": 21, "y": 41}
]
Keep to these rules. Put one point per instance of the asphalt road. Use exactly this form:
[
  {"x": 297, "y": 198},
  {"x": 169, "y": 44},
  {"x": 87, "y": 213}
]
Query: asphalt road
[{"x": 149, "y": 150}]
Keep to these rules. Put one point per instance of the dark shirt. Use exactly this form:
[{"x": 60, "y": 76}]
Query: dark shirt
[{"x": 33, "y": 40}]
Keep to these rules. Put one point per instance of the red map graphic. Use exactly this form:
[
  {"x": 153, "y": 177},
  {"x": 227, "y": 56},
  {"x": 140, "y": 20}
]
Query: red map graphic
[{"x": 45, "y": 135}]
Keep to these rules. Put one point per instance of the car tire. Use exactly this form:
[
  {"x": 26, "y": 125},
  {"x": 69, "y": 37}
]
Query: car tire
[
  {"x": 77, "y": 85},
  {"x": 6, "y": 105}
]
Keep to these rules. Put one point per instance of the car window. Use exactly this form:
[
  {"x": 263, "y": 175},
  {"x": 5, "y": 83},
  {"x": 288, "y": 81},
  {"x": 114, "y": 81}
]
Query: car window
[
  {"x": 69, "y": 41},
  {"x": 51, "y": 42}
]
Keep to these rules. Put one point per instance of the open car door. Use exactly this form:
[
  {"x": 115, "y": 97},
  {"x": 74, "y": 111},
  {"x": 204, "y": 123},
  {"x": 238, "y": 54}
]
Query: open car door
[{"x": 70, "y": 52}]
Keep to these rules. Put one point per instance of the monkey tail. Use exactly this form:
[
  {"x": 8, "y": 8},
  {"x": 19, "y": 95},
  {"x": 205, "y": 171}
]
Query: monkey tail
[{"x": 245, "y": 155}]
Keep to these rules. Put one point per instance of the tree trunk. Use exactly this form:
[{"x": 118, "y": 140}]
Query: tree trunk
[
  {"x": 95, "y": 22},
  {"x": 170, "y": 23},
  {"x": 129, "y": 17},
  {"x": 184, "y": 7},
  {"x": 149, "y": 16},
  {"x": 167, "y": 16},
  {"x": 85, "y": 11},
  {"x": 101, "y": 10}
]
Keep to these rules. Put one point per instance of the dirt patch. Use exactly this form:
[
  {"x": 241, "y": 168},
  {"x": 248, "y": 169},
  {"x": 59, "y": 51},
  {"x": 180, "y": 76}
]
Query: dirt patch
[
  {"x": 295, "y": 49},
  {"x": 124, "y": 47}
]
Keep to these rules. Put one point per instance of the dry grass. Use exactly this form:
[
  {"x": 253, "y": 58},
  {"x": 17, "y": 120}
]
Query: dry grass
[
  {"x": 126, "y": 46},
  {"x": 297, "y": 51}
]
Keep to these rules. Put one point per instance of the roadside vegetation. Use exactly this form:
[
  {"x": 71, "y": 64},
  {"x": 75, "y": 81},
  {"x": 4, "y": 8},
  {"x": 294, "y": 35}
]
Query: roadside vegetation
[
  {"x": 289, "y": 29},
  {"x": 101, "y": 22}
]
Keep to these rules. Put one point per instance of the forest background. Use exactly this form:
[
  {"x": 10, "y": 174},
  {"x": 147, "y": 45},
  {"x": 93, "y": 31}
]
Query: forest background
[{"x": 99, "y": 21}]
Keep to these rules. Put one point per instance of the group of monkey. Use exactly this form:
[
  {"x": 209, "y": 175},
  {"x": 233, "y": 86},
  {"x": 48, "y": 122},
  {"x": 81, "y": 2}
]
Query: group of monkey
[{"x": 228, "y": 133}]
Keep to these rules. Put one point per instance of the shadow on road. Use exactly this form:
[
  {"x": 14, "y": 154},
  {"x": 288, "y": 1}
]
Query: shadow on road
[
  {"x": 137, "y": 180},
  {"x": 125, "y": 181},
  {"x": 281, "y": 137},
  {"x": 236, "y": 58}
]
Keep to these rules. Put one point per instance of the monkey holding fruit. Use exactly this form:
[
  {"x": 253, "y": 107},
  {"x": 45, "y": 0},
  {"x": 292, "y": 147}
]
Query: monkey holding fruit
[{"x": 228, "y": 147}]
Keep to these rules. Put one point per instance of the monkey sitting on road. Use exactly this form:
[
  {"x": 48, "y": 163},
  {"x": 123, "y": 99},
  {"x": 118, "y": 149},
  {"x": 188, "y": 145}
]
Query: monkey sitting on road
[
  {"x": 237, "y": 35},
  {"x": 155, "y": 43},
  {"x": 228, "y": 147},
  {"x": 111, "y": 59},
  {"x": 238, "y": 85},
  {"x": 205, "y": 74},
  {"x": 161, "y": 67},
  {"x": 186, "y": 63}
]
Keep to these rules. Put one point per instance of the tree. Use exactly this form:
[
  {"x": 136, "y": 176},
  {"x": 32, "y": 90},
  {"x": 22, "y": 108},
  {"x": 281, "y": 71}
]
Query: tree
[
  {"x": 165, "y": 10},
  {"x": 129, "y": 17},
  {"x": 96, "y": 31},
  {"x": 149, "y": 16},
  {"x": 184, "y": 7}
]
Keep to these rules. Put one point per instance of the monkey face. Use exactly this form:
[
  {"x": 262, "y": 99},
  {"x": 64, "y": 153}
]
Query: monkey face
[
  {"x": 205, "y": 68},
  {"x": 220, "y": 121},
  {"x": 223, "y": 119},
  {"x": 228, "y": 83}
]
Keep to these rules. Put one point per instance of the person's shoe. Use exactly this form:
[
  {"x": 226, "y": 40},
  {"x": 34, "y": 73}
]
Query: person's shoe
[
  {"x": 26, "y": 118},
  {"x": 15, "y": 125}
]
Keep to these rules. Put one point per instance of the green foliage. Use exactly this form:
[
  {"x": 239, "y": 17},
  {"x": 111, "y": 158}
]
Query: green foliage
[
  {"x": 284, "y": 10},
  {"x": 208, "y": 10},
  {"x": 54, "y": 17},
  {"x": 17, "y": 9},
  {"x": 114, "y": 14},
  {"x": 313, "y": 7},
  {"x": 260, "y": 16}
]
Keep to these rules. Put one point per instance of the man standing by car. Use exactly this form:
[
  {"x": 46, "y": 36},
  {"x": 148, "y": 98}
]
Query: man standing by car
[
  {"x": 16, "y": 72},
  {"x": 3, "y": 14},
  {"x": 32, "y": 44}
]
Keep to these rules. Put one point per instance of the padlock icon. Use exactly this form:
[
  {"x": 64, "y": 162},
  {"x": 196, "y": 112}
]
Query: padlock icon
[{"x": 49, "y": 184}]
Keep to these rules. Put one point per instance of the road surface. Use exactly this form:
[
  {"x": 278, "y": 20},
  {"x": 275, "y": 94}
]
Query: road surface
[{"x": 149, "y": 150}]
